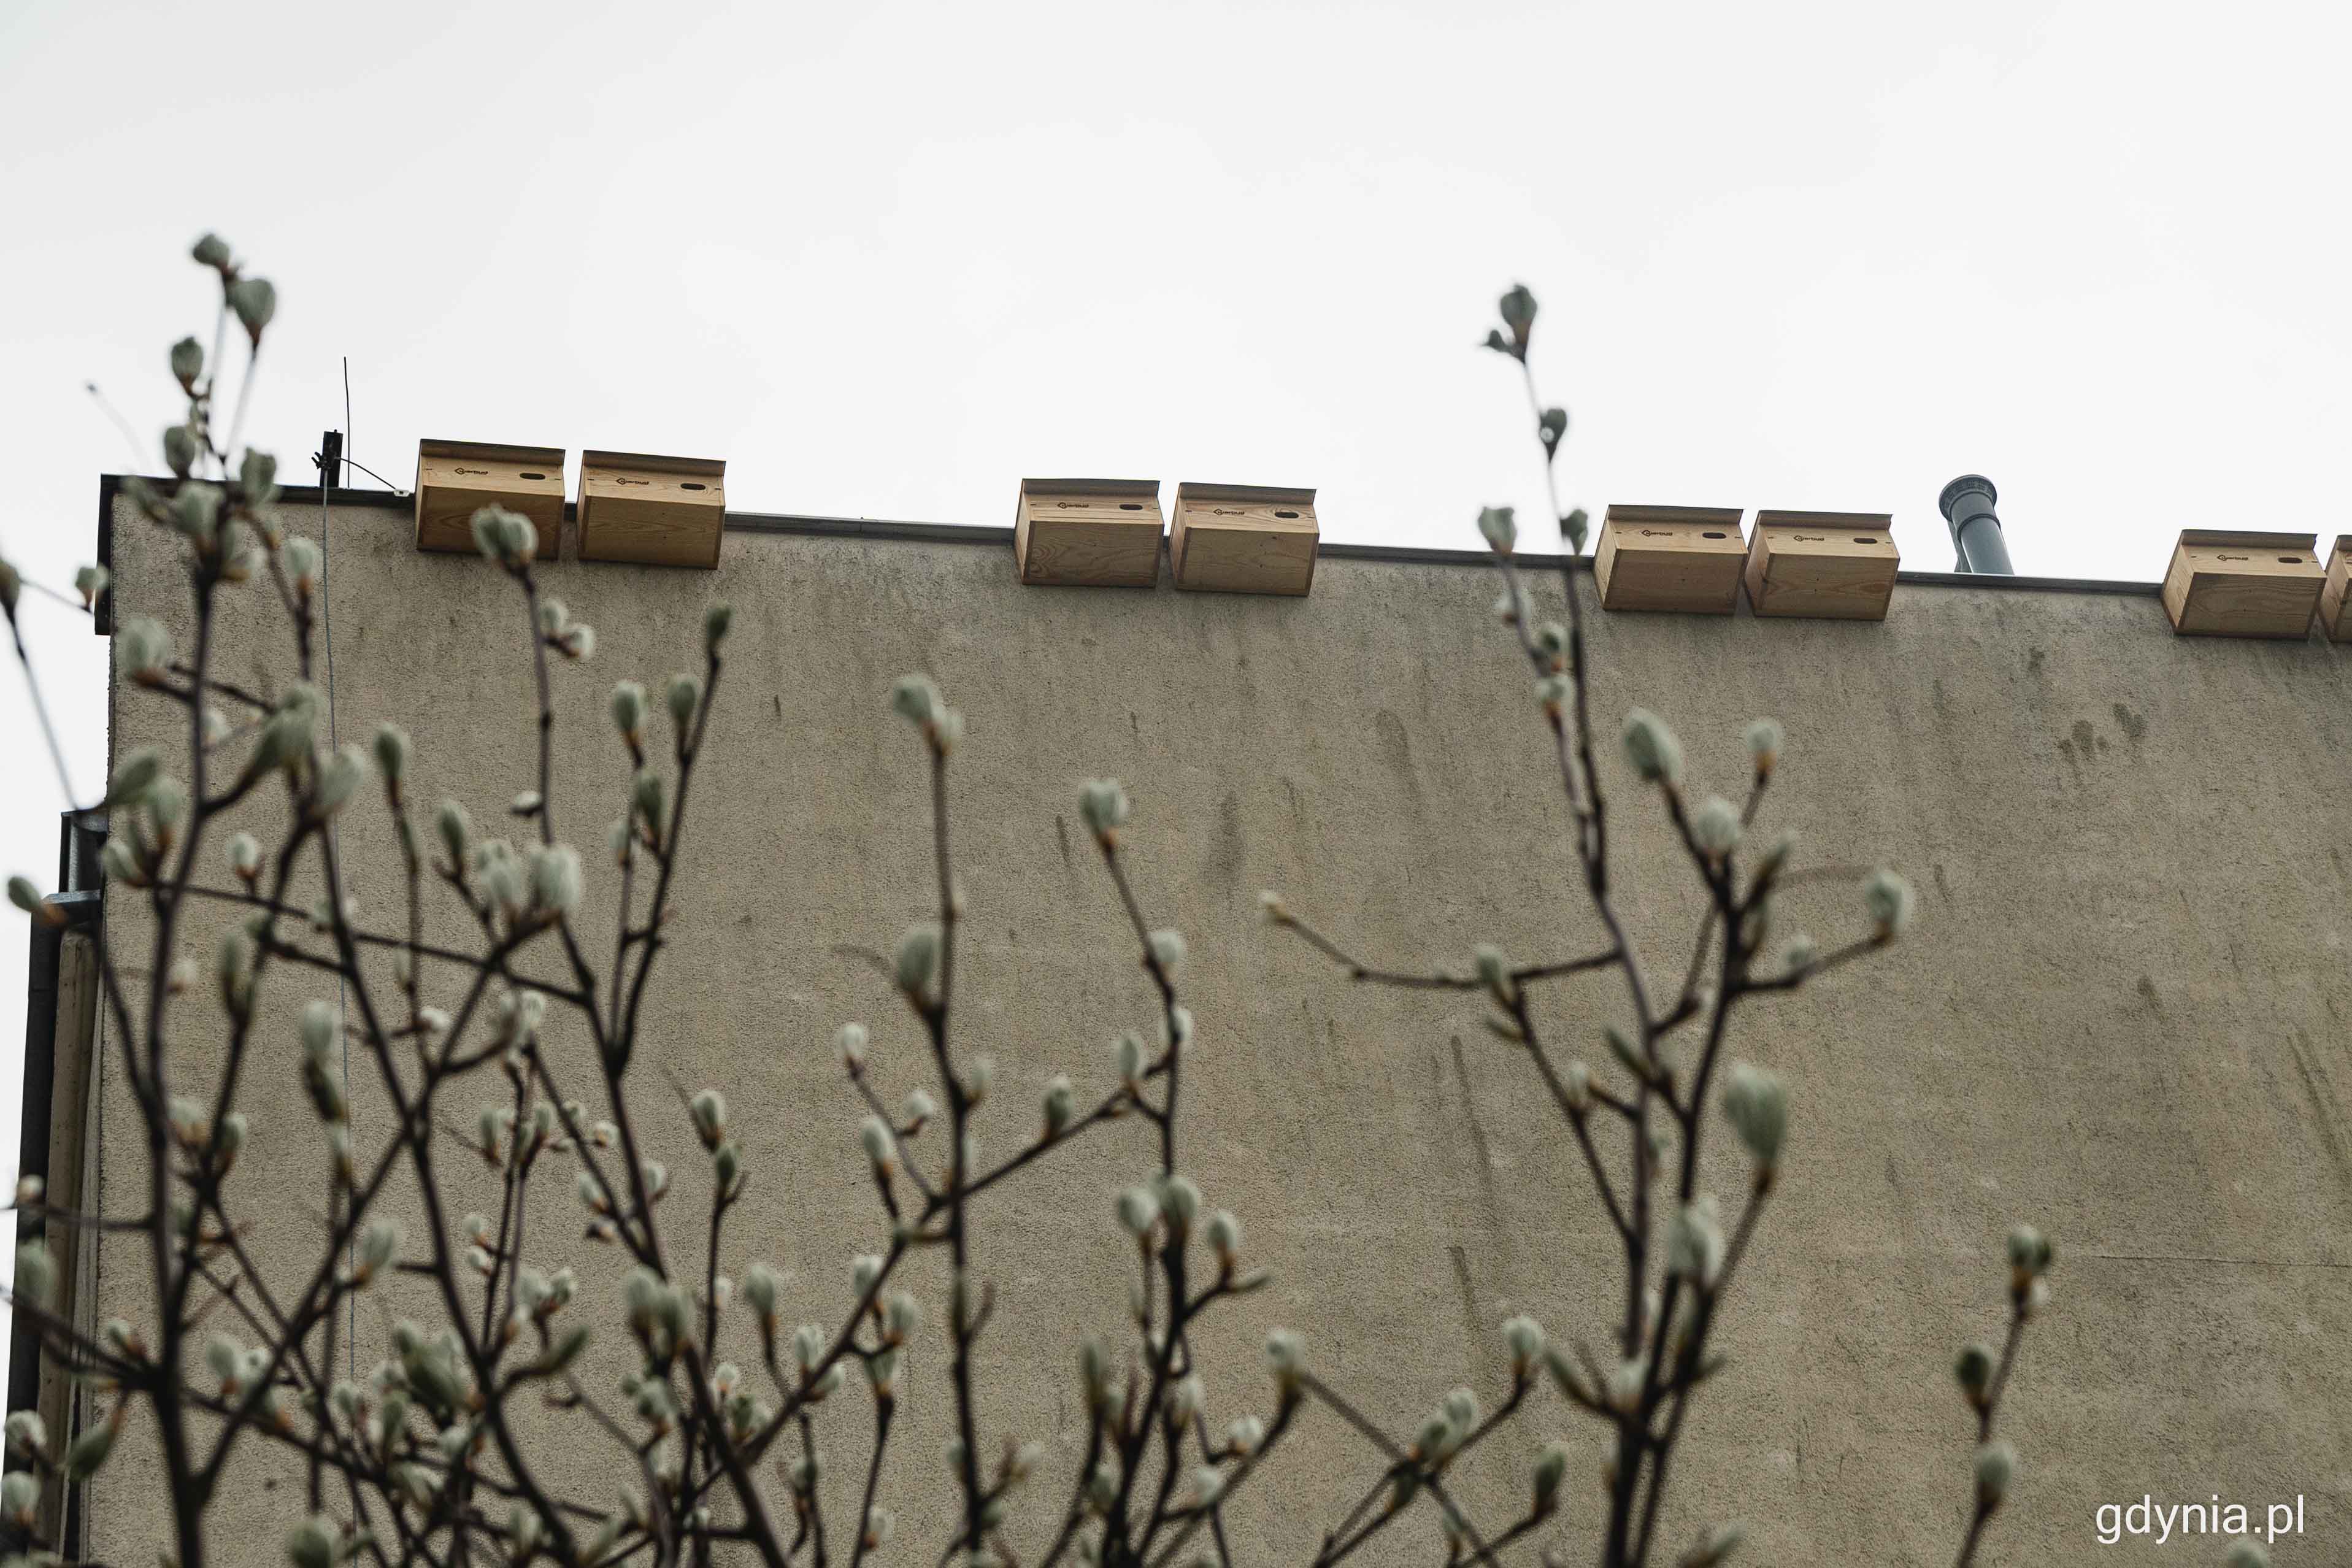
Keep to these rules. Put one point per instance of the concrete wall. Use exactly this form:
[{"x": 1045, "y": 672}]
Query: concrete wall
[{"x": 2122, "y": 1015}]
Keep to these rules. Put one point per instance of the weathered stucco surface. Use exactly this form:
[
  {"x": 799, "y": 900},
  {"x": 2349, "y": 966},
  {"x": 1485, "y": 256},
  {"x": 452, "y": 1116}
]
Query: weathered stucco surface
[{"x": 2122, "y": 1015}]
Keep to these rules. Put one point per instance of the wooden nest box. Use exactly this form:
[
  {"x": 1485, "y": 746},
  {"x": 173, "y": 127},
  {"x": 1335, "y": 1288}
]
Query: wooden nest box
[
  {"x": 659, "y": 512},
  {"x": 456, "y": 478},
  {"x": 1685, "y": 558},
  {"x": 1244, "y": 539},
  {"x": 1100, "y": 534},
  {"x": 2232, "y": 584},
  {"x": 2334, "y": 602},
  {"x": 1831, "y": 565}
]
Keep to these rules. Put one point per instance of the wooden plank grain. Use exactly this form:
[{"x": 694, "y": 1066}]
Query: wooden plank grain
[{"x": 1098, "y": 534}]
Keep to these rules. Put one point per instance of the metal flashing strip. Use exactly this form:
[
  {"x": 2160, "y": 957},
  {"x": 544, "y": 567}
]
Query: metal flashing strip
[
  {"x": 1999, "y": 579},
  {"x": 960, "y": 534},
  {"x": 867, "y": 528}
]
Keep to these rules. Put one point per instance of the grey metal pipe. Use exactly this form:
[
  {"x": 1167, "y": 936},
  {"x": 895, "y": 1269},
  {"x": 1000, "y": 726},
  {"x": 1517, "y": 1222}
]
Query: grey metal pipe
[{"x": 1968, "y": 506}]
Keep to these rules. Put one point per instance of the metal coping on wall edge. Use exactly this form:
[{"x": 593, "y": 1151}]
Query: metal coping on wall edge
[{"x": 960, "y": 534}]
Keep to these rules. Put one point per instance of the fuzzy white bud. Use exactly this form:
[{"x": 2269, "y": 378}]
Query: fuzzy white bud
[
  {"x": 1061, "y": 1104},
  {"x": 245, "y": 856},
  {"x": 2030, "y": 1252},
  {"x": 918, "y": 957},
  {"x": 1996, "y": 1466},
  {"x": 979, "y": 1078},
  {"x": 1694, "y": 1243},
  {"x": 1498, "y": 525},
  {"x": 1184, "y": 1398},
  {"x": 1887, "y": 897},
  {"x": 1625, "y": 1384},
  {"x": 303, "y": 561},
  {"x": 27, "y": 898},
  {"x": 1756, "y": 1103},
  {"x": 505, "y": 537},
  {"x": 1285, "y": 1355},
  {"x": 916, "y": 699},
  {"x": 20, "y": 1493},
  {"x": 195, "y": 511},
  {"x": 628, "y": 707},
  {"x": 27, "y": 1434},
  {"x": 762, "y": 1285},
  {"x": 1180, "y": 1200},
  {"x": 37, "y": 1273},
  {"x": 1551, "y": 1470},
  {"x": 143, "y": 649},
  {"x": 1494, "y": 969},
  {"x": 708, "y": 1110},
  {"x": 1138, "y": 1210},
  {"x": 392, "y": 748},
  {"x": 1104, "y": 805},
  {"x": 685, "y": 695},
  {"x": 1714, "y": 826},
  {"x": 457, "y": 831},
  {"x": 1651, "y": 747},
  {"x": 555, "y": 878},
  {"x": 379, "y": 1245},
  {"x": 339, "y": 779},
  {"x": 313, "y": 1543}
]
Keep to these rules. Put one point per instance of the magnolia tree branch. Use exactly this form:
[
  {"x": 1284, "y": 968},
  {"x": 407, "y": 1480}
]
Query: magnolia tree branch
[
  {"x": 1984, "y": 1376},
  {"x": 1674, "y": 1276},
  {"x": 428, "y": 1459}
]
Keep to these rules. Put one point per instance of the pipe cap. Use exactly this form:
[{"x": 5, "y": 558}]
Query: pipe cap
[{"x": 1965, "y": 485}]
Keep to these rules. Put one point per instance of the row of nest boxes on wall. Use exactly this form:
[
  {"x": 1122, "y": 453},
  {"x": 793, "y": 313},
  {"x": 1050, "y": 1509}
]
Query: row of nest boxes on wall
[
  {"x": 1842, "y": 565},
  {"x": 1837, "y": 565},
  {"x": 2225, "y": 583},
  {"x": 1105, "y": 533},
  {"x": 667, "y": 512},
  {"x": 1256, "y": 539}
]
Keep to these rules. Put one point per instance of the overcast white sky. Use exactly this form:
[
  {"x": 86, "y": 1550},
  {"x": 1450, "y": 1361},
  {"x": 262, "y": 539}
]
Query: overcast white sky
[{"x": 886, "y": 259}]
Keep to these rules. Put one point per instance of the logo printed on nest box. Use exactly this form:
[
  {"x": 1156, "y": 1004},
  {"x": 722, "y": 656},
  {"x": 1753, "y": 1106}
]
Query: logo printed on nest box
[{"x": 463, "y": 469}]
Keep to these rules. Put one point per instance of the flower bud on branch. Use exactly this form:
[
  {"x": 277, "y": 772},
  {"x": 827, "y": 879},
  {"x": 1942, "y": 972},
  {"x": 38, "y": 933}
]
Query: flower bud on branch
[
  {"x": 1103, "y": 806},
  {"x": 1653, "y": 748},
  {"x": 1756, "y": 1103},
  {"x": 1499, "y": 528},
  {"x": 1887, "y": 897},
  {"x": 1996, "y": 1466}
]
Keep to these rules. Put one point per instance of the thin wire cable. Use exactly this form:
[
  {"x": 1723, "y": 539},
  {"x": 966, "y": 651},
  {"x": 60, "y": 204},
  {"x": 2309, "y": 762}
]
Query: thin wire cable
[
  {"x": 348, "y": 461},
  {"x": 137, "y": 453},
  {"x": 371, "y": 473},
  {"x": 343, "y": 1014}
]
